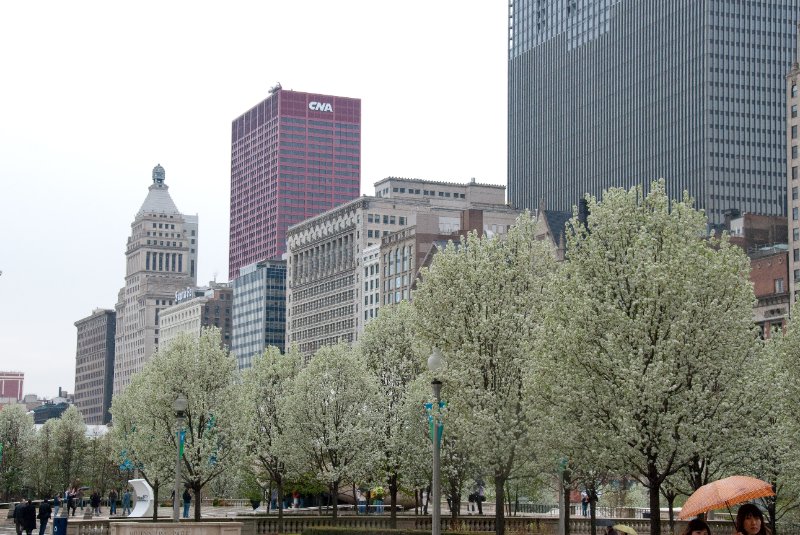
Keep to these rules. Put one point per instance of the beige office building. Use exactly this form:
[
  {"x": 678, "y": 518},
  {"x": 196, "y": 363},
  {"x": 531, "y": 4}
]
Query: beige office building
[
  {"x": 161, "y": 259},
  {"x": 332, "y": 263},
  {"x": 196, "y": 308}
]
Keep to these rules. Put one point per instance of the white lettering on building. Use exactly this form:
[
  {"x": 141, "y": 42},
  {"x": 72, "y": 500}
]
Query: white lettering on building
[{"x": 320, "y": 106}]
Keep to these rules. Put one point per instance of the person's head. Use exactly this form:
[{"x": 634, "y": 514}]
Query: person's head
[
  {"x": 697, "y": 527},
  {"x": 750, "y": 520},
  {"x": 46, "y": 501}
]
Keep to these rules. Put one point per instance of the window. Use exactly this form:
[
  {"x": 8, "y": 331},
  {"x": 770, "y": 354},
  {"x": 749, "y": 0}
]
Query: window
[
  {"x": 794, "y": 110},
  {"x": 402, "y": 220},
  {"x": 794, "y": 193},
  {"x": 391, "y": 220},
  {"x": 796, "y": 255},
  {"x": 794, "y": 90},
  {"x": 779, "y": 286},
  {"x": 369, "y": 218},
  {"x": 794, "y": 214},
  {"x": 794, "y": 172},
  {"x": 796, "y": 234},
  {"x": 794, "y": 131},
  {"x": 385, "y": 219},
  {"x": 797, "y": 275},
  {"x": 794, "y": 152}
]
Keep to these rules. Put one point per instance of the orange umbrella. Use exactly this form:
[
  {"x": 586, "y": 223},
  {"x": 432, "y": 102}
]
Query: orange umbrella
[{"x": 724, "y": 493}]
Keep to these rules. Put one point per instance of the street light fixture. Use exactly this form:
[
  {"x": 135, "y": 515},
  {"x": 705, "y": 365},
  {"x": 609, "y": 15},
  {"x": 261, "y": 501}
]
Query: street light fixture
[
  {"x": 435, "y": 363},
  {"x": 179, "y": 406}
]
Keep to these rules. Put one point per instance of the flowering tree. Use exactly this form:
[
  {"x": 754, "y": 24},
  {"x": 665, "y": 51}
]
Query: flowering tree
[
  {"x": 16, "y": 441},
  {"x": 331, "y": 412},
  {"x": 205, "y": 373},
  {"x": 394, "y": 357},
  {"x": 482, "y": 303},
  {"x": 137, "y": 435},
  {"x": 43, "y": 461},
  {"x": 656, "y": 322},
  {"x": 263, "y": 386},
  {"x": 71, "y": 441}
]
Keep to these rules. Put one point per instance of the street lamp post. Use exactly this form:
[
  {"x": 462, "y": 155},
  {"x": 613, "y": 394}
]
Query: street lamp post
[
  {"x": 179, "y": 406},
  {"x": 435, "y": 363}
]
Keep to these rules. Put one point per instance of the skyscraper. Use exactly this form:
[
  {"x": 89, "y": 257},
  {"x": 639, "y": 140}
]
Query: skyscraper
[
  {"x": 161, "y": 259},
  {"x": 621, "y": 92},
  {"x": 293, "y": 156},
  {"x": 94, "y": 366}
]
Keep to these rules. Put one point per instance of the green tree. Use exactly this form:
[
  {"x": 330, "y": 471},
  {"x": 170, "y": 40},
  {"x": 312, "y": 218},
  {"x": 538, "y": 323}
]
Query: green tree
[
  {"x": 136, "y": 436},
  {"x": 482, "y": 303},
  {"x": 263, "y": 386},
  {"x": 205, "y": 373},
  {"x": 394, "y": 357},
  {"x": 16, "y": 441},
  {"x": 656, "y": 322},
  {"x": 331, "y": 413},
  {"x": 71, "y": 442},
  {"x": 43, "y": 461}
]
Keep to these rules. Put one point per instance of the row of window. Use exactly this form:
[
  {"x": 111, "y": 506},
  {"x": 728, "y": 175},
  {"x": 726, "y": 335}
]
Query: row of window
[{"x": 387, "y": 219}]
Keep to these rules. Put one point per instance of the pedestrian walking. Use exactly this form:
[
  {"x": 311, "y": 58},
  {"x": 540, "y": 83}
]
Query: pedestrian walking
[
  {"x": 94, "y": 501},
  {"x": 126, "y": 502},
  {"x": 584, "y": 502},
  {"x": 480, "y": 497},
  {"x": 187, "y": 501},
  {"x": 44, "y": 515},
  {"x": 56, "y": 505},
  {"x": 72, "y": 501},
  {"x": 18, "y": 516},
  {"x": 29, "y": 518},
  {"x": 112, "y": 502}
]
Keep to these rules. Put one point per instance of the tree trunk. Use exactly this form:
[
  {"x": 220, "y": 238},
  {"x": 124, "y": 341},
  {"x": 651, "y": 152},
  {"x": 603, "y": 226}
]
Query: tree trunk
[
  {"x": 655, "y": 504},
  {"x": 196, "y": 503},
  {"x": 393, "y": 501},
  {"x": 592, "y": 510},
  {"x": 455, "y": 504},
  {"x": 671, "y": 502},
  {"x": 155, "y": 504},
  {"x": 499, "y": 505},
  {"x": 335, "y": 492},
  {"x": 416, "y": 502},
  {"x": 280, "y": 504},
  {"x": 565, "y": 498},
  {"x": 771, "y": 512},
  {"x": 427, "y": 500}
]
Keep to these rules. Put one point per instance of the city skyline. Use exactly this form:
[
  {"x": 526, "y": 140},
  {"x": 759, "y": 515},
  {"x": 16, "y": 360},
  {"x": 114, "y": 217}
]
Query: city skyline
[{"x": 96, "y": 103}]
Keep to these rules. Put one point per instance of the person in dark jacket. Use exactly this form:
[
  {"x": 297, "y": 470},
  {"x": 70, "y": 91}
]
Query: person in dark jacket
[
  {"x": 94, "y": 500},
  {"x": 44, "y": 515},
  {"x": 18, "y": 517},
  {"x": 29, "y": 518}
]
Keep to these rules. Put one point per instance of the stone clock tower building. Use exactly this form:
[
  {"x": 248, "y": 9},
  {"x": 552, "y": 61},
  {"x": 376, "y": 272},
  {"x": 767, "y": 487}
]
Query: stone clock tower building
[{"x": 161, "y": 259}]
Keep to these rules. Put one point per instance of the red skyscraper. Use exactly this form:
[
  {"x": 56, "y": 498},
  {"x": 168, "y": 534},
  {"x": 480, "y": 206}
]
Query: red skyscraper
[{"x": 293, "y": 156}]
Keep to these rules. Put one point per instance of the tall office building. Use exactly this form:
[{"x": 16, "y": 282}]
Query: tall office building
[
  {"x": 792, "y": 118},
  {"x": 259, "y": 310},
  {"x": 293, "y": 156},
  {"x": 196, "y": 309},
  {"x": 621, "y": 92},
  {"x": 161, "y": 259},
  {"x": 94, "y": 365}
]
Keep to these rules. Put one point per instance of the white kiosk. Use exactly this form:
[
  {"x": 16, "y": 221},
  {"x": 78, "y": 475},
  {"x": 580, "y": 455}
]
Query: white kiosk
[{"x": 144, "y": 499}]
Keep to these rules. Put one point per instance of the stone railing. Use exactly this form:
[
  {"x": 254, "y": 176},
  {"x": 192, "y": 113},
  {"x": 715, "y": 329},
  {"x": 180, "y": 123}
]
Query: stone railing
[{"x": 268, "y": 524}]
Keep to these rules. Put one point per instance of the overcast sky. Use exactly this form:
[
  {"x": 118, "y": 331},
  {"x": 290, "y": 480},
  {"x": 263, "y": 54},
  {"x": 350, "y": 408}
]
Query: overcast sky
[{"x": 94, "y": 95}]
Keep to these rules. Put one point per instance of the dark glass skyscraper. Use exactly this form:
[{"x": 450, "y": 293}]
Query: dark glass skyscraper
[{"x": 609, "y": 93}]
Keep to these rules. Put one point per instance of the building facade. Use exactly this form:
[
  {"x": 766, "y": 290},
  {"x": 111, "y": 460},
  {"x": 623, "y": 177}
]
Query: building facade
[
  {"x": 161, "y": 259},
  {"x": 259, "y": 310},
  {"x": 11, "y": 385},
  {"x": 609, "y": 93},
  {"x": 196, "y": 309},
  {"x": 327, "y": 254},
  {"x": 792, "y": 181},
  {"x": 293, "y": 156},
  {"x": 94, "y": 366}
]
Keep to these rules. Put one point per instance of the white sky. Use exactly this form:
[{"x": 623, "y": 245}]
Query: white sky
[{"x": 94, "y": 94}]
